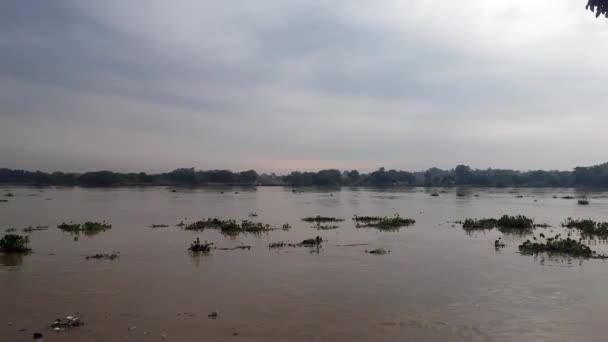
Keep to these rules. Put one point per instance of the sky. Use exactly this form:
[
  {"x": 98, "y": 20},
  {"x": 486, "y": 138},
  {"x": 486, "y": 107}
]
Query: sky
[{"x": 277, "y": 85}]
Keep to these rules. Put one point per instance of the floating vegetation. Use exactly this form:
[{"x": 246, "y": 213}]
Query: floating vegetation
[
  {"x": 321, "y": 226},
  {"x": 568, "y": 197},
  {"x": 280, "y": 244},
  {"x": 310, "y": 242},
  {"x": 68, "y": 323},
  {"x": 10, "y": 230},
  {"x": 253, "y": 215},
  {"x": 321, "y": 219},
  {"x": 588, "y": 228},
  {"x": 519, "y": 196},
  {"x": 557, "y": 245},
  {"x": 102, "y": 256},
  {"x": 34, "y": 229},
  {"x": 243, "y": 247},
  {"x": 379, "y": 251},
  {"x": 230, "y": 227},
  {"x": 3, "y": 200},
  {"x": 498, "y": 244},
  {"x": 460, "y": 194},
  {"x": 197, "y": 246},
  {"x": 12, "y": 243},
  {"x": 434, "y": 194},
  {"x": 88, "y": 228},
  {"x": 160, "y": 225},
  {"x": 583, "y": 202},
  {"x": 383, "y": 223},
  {"x": 181, "y": 224},
  {"x": 518, "y": 222},
  {"x": 286, "y": 226},
  {"x": 9, "y": 194}
]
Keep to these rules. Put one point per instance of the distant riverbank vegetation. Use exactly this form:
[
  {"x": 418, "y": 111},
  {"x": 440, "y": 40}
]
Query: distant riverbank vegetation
[{"x": 594, "y": 176}]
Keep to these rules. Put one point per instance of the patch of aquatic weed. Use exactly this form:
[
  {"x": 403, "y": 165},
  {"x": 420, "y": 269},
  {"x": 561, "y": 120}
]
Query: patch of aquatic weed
[
  {"x": 12, "y": 243},
  {"x": 519, "y": 222},
  {"x": 321, "y": 219},
  {"x": 383, "y": 223},
  {"x": 102, "y": 256},
  {"x": 199, "y": 247},
  {"x": 558, "y": 245},
  {"x": 87, "y": 228},
  {"x": 230, "y": 227},
  {"x": 588, "y": 228},
  {"x": 321, "y": 226}
]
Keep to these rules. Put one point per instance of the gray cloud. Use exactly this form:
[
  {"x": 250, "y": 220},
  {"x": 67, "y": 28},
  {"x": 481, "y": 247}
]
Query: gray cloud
[{"x": 155, "y": 85}]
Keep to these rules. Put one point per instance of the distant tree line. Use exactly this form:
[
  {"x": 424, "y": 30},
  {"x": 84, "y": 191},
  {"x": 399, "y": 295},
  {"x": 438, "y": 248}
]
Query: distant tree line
[{"x": 596, "y": 176}]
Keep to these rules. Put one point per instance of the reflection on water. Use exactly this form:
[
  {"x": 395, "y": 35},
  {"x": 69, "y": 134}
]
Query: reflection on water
[
  {"x": 11, "y": 259},
  {"x": 438, "y": 283}
]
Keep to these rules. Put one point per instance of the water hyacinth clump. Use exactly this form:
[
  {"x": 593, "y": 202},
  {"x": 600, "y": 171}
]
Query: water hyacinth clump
[
  {"x": 508, "y": 222},
  {"x": 197, "y": 246},
  {"x": 557, "y": 245},
  {"x": 321, "y": 219},
  {"x": 12, "y": 243},
  {"x": 383, "y": 223},
  {"x": 588, "y": 228},
  {"x": 583, "y": 202},
  {"x": 230, "y": 227},
  {"x": 88, "y": 228}
]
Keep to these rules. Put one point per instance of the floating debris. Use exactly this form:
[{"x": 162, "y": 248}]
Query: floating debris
[
  {"x": 12, "y": 243},
  {"x": 104, "y": 256},
  {"x": 253, "y": 215},
  {"x": 434, "y": 194},
  {"x": 379, "y": 251},
  {"x": 197, "y": 246},
  {"x": 160, "y": 225},
  {"x": 68, "y": 323},
  {"x": 37, "y": 336}
]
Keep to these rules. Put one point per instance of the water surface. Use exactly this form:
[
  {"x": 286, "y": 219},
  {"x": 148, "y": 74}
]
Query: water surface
[{"x": 438, "y": 283}]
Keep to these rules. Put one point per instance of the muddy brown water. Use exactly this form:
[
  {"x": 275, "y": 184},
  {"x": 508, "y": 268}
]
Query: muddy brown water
[{"x": 438, "y": 283}]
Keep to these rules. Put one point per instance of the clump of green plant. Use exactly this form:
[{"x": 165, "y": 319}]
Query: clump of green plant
[
  {"x": 12, "y": 243},
  {"x": 383, "y": 223},
  {"x": 197, "y": 246},
  {"x": 559, "y": 245},
  {"x": 588, "y": 228},
  {"x": 321, "y": 219},
  {"x": 230, "y": 227},
  {"x": 311, "y": 242},
  {"x": 519, "y": 222},
  {"x": 583, "y": 202},
  {"x": 88, "y": 228}
]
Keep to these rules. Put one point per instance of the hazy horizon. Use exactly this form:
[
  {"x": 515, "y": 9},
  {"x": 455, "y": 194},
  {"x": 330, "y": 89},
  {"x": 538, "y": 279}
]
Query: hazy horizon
[{"x": 276, "y": 87}]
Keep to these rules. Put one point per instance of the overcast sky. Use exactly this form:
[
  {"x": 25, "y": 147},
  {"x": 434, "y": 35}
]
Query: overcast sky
[{"x": 279, "y": 85}]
